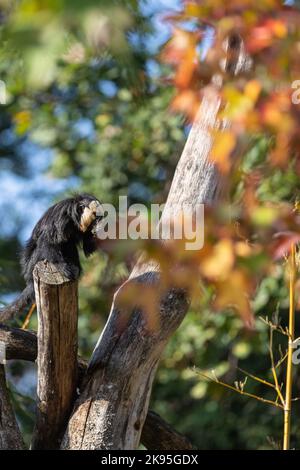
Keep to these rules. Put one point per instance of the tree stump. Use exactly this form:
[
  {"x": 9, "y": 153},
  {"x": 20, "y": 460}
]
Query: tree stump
[{"x": 57, "y": 307}]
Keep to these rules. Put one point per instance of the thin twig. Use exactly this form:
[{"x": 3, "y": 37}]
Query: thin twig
[
  {"x": 237, "y": 390},
  {"x": 278, "y": 328},
  {"x": 273, "y": 368},
  {"x": 258, "y": 379}
]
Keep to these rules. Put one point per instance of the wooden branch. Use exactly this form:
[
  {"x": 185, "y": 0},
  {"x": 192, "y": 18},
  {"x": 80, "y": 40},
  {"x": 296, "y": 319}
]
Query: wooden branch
[
  {"x": 10, "y": 436},
  {"x": 157, "y": 434},
  {"x": 19, "y": 344},
  {"x": 57, "y": 307}
]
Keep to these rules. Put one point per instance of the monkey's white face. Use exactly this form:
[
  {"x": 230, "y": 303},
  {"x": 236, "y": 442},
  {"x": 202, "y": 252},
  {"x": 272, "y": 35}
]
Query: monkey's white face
[{"x": 90, "y": 213}]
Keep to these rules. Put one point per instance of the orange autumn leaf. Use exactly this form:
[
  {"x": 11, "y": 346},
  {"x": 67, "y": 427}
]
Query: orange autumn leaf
[
  {"x": 222, "y": 148},
  {"x": 129, "y": 299},
  {"x": 272, "y": 115},
  {"x": 243, "y": 249},
  {"x": 275, "y": 111},
  {"x": 220, "y": 262},
  {"x": 181, "y": 53},
  {"x": 263, "y": 35},
  {"x": 234, "y": 292},
  {"x": 252, "y": 90},
  {"x": 185, "y": 70},
  {"x": 277, "y": 26},
  {"x": 186, "y": 102},
  {"x": 175, "y": 50}
]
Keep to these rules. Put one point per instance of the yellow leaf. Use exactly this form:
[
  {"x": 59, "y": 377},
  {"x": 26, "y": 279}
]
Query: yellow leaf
[
  {"x": 223, "y": 146},
  {"x": 221, "y": 261},
  {"x": 22, "y": 121},
  {"x": 252, "y": 90},
  {"x": 242, "y": 249},
  {"x": 234, "y": 292},
  {"x": 264, "y": 216}
]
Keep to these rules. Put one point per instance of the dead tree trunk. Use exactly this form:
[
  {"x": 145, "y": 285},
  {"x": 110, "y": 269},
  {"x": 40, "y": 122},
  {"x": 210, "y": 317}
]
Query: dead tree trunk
[
  {"x": 113, "y": 404},
  {"x": 10, "y": 436},
  {"x": 57, "y": 307},
  {"x": 156, "y": 434},
  {"x": 111, "y": 410}
]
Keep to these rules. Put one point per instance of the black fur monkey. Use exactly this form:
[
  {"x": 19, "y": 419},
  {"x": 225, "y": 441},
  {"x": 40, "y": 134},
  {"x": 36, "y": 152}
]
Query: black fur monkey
[{"x": 65, "y": 226}]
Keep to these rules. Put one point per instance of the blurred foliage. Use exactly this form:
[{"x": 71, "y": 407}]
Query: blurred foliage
[
  {"x": 9, "y": 248},
  {"x": 80, "y": 81}
]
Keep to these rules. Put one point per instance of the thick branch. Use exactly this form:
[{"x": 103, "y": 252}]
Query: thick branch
[
  {"x": 10, "y": 436},
  {"x": 156, "y": 434},
  {"x": 18, "y": 344},
  {"x": 57, "y": 306}
]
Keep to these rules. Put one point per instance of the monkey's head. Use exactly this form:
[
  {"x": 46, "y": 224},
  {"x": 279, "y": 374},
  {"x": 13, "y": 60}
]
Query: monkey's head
[
  {"x": 90, "y": 212},
  {"x": 72, "y": 219}
]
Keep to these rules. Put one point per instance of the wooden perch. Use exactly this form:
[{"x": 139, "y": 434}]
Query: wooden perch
[
  {"x": 156, "y": 434},
  {"x": 57, "y": 307},
  {"x": 10, "y": 436}
]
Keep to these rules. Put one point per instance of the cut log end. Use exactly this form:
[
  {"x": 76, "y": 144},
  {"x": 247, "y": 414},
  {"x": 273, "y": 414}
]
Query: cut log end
[{"x": 49, "y": 273}]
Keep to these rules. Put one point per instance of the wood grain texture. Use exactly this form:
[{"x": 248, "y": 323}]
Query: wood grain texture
[
  {"x": 19, "y": 343},
  {"x": 10, "y": 436},
  {"x": 156, "y": 434},
  {"x": 57, "y": 307}
]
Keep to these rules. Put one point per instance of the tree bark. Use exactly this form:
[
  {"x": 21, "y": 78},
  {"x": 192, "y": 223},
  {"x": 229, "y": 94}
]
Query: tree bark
[
  {"x": 18, "y": 343},
  {"x": 57, "y": 307},
  {"x": 10, "y": 436},
  {"x": 156, "y": 434}
]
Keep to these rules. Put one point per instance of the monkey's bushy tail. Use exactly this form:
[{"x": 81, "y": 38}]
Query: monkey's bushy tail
[{"x": 16, "y": 307}]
